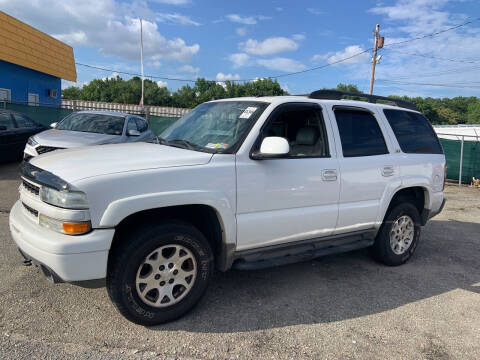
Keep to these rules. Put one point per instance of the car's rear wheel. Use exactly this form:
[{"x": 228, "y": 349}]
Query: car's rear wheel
[
  {"x": 398, "y": 236},
  {"x": 159, "y": 273}
]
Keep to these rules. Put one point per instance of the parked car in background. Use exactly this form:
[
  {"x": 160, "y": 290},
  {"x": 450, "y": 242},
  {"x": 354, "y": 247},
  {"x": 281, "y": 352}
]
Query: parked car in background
[
  {"x": 86, "y": 128},
  {"x": 15, "y": 129},
  {"x": 243, "y": 183}
]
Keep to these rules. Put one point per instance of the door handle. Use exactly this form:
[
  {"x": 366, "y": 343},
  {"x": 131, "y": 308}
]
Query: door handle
[
  {"x": 329, "y": 175},
  {"x": 388, "y": 170}
]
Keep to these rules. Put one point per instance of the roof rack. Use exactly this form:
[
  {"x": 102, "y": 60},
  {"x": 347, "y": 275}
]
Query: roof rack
[{"x": 338, "y": 95}]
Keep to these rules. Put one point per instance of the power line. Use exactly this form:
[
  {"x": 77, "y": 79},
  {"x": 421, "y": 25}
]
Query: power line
[
  {"x": 236, "y": 80},
  {"x": 438, "y": 73},
  {"x": 319, "y": 67},
  {"x": 453, "y": 85},
  {"x": 432, "y": 34},
  {"x": 466, "y": 61},
  {"x": 132, "y": 74}
]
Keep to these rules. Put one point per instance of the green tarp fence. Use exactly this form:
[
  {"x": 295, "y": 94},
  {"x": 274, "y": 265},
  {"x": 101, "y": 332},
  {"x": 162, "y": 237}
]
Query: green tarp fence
[
  {"x": 471, "y": 159},
  {"x": 46, "y": 115}
]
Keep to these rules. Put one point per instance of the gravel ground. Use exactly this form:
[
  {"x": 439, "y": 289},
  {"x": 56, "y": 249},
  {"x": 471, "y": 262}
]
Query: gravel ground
[{"x": 345, "y": 306}]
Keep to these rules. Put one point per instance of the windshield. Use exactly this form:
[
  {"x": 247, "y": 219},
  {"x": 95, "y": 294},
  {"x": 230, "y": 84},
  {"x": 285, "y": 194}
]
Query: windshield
[
  {"x": 93, "y": 123},
  {"x": 214, "y": 127}
]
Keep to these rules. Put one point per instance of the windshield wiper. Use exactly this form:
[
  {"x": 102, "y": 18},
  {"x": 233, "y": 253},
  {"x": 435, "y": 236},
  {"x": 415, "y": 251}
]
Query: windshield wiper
[
  {"x": 159, "y": 140},
  {"x": 184, "y": 144}
]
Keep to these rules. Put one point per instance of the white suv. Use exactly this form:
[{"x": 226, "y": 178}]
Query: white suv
[{"x": 240, "y": 183}]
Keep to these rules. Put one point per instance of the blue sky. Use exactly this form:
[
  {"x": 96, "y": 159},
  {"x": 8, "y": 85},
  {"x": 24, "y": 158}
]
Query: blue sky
[{"x": 247, "y": 39}]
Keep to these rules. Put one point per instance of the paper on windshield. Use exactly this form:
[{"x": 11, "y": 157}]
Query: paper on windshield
[{"x": 248, "y": 112}]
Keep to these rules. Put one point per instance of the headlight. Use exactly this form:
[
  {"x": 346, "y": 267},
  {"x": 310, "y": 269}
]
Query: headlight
[
  {"x": 69, "y": 228},
  {"x": 64, "y": 199},
  {"x": 31, "y": 141}
]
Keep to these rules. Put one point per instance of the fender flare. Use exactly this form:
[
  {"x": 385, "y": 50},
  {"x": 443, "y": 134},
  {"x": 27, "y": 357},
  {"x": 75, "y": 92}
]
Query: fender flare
[{"x": 120, "y": 209}]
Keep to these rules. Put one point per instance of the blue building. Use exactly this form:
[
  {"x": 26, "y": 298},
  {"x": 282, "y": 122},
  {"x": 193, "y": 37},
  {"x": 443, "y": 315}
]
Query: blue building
[{"x": 32, "y": 64}]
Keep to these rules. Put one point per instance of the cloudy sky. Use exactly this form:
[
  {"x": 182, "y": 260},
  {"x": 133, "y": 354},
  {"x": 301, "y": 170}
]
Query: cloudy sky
[{"x": 222, "y": 40}]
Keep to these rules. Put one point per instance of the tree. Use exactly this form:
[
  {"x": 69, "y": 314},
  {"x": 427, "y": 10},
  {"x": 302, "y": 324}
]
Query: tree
[
  {"x": 71, "y": 92},
  {"x": 348, "y": 88}
]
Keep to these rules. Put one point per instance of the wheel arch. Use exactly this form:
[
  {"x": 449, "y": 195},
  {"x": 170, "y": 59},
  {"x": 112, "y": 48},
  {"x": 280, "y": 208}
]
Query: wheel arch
[
  {"x": 206, "y": 218},
  {"x": 418, "y": 195}
]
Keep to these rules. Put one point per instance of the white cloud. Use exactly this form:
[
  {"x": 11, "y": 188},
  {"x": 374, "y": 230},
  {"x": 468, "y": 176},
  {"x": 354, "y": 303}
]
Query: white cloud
[
  {"x": 113, "y": 75},
  {"x": 268, "y": 46},
  {"x": 189, "y": 68},
  {"x": 161, "y": 83},
  {"x": 172, "y": 2},
  {"x": 298, "y": 37},
  {"x": 176, "y": 19},
  {"x": 315, "y": 11},
  {"x": 155, "y": 64},
  {"x": 239, "y": 59},
  {"x": 349, "y": 51},
  {"x": 285, "y": 87},
  {"x": 241, "y": 31},
  {"x": 109, "y": 25},
  {"x": 246, "y": 20},
  {"x": 282, "y": 64},
  {"x": 279, "y": 9},
  {"x": 224, "y": 77}
]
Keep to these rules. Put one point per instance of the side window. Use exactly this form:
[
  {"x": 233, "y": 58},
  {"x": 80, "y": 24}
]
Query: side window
[
  {"x": 5, "y": 95},
  {"x": 414, "y": 132},
  {"x": 131, "y": 125},
  {"x": 141, "y": 124},
  {"x": 359, "y": 133},
  {"x": 304, "y": 129},
  {"x": 23, "y": 121},
  {"x": 6, "y": 121}
]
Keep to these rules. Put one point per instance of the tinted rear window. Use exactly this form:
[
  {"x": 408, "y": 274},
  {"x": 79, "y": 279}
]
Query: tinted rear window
[
  {"x": 414, "y": 132},
  {"x": 360, "y": 133}
]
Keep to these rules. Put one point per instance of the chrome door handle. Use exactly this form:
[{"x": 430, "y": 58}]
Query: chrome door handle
[
  {"x": 388, "y": 170},
  {"x": 329, "y": 175}
]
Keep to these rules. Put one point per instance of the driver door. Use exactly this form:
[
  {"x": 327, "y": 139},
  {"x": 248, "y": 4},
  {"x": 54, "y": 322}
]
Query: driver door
[{"x": 295, "y": 197}]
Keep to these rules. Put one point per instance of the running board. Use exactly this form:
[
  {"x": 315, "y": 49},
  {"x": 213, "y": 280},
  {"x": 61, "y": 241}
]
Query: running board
[{"x": 242, "y": 264}]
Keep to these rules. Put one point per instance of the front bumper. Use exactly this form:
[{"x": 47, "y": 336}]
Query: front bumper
[{"x": 67, "y": 258}]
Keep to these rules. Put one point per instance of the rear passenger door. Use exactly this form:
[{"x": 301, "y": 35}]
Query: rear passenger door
[{"x": 367, "y": 170}]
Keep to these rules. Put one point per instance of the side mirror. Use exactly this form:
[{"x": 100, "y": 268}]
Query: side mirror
[
  {"x": 2, "y": 127},
  {"x": 54, "y": 125},
  {"x": 133, "y": 133},
  {"x": 272, "y": 147}
]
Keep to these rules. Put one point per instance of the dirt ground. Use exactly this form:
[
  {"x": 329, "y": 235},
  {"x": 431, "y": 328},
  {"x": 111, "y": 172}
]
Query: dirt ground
[{"x": 345, "y": 306}]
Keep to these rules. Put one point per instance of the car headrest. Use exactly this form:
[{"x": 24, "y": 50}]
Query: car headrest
[{"x": 307, "y": 136}]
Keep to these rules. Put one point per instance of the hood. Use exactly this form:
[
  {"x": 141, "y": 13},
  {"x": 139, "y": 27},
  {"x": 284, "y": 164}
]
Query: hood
[
  {"x": 83, "y": 162},
  {"x": 69, "y": 139}
]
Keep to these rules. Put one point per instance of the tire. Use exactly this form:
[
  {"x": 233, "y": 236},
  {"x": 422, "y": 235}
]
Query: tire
[
  {"x": 142, "y": 261},
  {"x": 394, "y": 246}
]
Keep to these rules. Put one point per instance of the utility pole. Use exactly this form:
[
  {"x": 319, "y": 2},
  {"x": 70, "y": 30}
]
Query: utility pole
[
  {"x": 378, "y": 44},
  {"x": 141, "y": 59}
]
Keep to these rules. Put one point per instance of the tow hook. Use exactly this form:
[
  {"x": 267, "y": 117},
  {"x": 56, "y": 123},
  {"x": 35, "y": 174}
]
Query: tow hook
[{"x": 27, "y": 262}]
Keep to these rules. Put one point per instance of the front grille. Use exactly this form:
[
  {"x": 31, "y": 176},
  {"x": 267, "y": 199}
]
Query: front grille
[
  {"x": 30, "y": 210},
  {"x": 34, "y": 189},
  {"x": 44, "y": 149}
]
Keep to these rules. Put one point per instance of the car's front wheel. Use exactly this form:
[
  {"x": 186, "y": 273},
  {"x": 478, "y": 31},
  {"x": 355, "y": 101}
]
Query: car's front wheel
[{"x": 159, "y": 273}]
